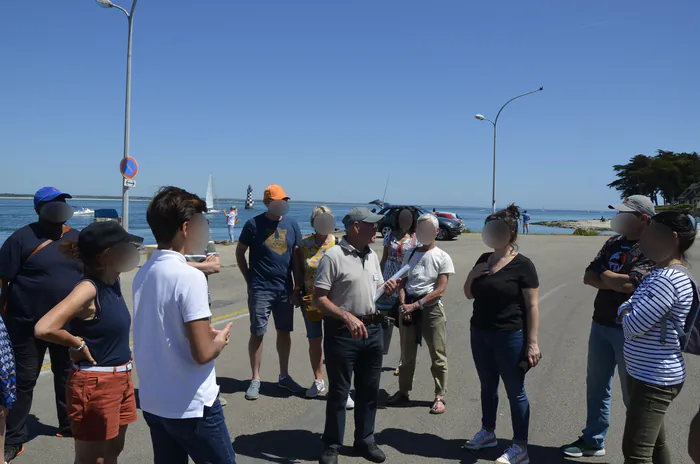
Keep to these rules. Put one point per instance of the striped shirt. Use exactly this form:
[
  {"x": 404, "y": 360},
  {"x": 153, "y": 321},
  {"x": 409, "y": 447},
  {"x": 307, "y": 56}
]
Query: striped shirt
[{"x": 647, "y": 359}]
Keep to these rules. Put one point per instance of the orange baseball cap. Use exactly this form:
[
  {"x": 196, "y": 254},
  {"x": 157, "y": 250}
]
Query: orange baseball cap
[{"x": 274, "y": 192}]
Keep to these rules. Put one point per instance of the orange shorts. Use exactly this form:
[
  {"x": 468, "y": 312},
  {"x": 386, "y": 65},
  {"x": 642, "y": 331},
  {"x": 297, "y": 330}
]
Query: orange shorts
[{"x": 99, "y": 403}]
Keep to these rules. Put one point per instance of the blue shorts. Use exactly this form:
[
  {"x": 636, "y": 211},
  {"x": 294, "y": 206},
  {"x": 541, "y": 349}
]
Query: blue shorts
[
  {"x": 261, "y": 303},
  {"x": 313, "y": 329}
]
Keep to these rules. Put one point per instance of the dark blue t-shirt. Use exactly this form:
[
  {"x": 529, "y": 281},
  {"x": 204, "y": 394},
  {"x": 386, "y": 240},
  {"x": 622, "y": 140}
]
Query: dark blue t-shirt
[
  {"x": 271, "y": 249},
  {"x": 39, "y": 283}
]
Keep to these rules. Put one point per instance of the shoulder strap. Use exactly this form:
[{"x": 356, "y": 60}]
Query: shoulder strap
[
  {"x": 413, "y": 252},
  {"x": 669, "y": 317},
  {"x": 48, "y": 242},
  {"x": 337, "y": 240}
]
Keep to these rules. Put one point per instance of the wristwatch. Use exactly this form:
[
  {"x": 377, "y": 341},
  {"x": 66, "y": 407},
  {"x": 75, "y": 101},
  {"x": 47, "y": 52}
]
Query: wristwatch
[{"x": 420, "y": 304}]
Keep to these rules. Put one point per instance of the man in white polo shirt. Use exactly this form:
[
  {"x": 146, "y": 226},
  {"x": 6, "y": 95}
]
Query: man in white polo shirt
[
  {"x": 174, "y": 344},
  {"x": 348, "y": 278}
]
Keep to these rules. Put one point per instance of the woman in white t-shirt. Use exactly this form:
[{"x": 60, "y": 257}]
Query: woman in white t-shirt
[
  {"x": 231, "y": 220},
  {"x": 421, "y": 314}
]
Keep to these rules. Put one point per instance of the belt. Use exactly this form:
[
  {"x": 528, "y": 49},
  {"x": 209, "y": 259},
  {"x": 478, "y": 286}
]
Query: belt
[
  {"x": 372, "y": 318},
  {"x": 114, "y": 369}
]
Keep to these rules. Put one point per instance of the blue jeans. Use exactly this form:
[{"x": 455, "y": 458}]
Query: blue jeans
[
  {"x": 605, "y": 353},
  {"x": 496, "y": 356},
  {"x": 206, "y": 440},
  {"x": 232, "y": 233}
]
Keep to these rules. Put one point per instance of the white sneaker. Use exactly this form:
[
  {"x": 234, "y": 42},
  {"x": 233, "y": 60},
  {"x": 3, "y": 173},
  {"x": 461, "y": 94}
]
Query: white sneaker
[
  {"x": 514, "y": 455},
  {"x": 481, "y": 440},
  {"x": 316, "y": 389},
  {"x": 350, "y": 404}
]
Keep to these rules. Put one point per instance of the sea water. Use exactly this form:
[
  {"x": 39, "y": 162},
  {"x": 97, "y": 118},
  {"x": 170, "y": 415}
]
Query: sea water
[{"x": 15, "y": 213}]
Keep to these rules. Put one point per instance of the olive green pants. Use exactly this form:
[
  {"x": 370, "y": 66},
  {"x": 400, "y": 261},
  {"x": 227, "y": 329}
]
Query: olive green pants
[
  {"x": 644, "y": 441},
  {"x": 434, "y": 326}
]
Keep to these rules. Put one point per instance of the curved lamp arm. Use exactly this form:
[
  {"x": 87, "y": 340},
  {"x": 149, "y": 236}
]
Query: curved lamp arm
[{"x": 514, "y": 98}]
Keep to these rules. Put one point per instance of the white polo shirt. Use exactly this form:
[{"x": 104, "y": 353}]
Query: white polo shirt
[{"x": 167, "y": 294}]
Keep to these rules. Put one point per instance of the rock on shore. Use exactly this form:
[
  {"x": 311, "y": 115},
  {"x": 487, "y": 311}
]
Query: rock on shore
[{"x": 593, "y": 224}]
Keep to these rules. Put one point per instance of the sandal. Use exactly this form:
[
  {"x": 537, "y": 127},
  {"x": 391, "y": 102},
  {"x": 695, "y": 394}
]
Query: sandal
[{"x": 438, "y": 406}]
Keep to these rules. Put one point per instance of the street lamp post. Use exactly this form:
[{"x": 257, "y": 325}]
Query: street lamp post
[
  {"x": 481, "y": 117},
  {"x": 127, "y": 105}
]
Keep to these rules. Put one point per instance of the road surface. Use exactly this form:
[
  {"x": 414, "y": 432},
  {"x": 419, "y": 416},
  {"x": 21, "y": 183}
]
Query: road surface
[{"x": 284, "y": 429}]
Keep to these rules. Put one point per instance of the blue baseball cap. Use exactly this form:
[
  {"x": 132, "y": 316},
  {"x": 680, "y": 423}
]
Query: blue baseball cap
[{"x": 46, "y": 194}]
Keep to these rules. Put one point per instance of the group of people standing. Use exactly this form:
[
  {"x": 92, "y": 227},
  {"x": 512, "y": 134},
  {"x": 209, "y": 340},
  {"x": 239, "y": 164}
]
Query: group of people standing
[{"x": 61, "y": 292}]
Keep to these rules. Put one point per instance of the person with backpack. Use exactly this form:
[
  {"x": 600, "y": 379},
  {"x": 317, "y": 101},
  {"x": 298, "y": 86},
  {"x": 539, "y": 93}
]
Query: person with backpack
[
  {"x": 656, "y": 334},
  {"x": 313, "y": 248},
  {"x": 35, "y": 276}
]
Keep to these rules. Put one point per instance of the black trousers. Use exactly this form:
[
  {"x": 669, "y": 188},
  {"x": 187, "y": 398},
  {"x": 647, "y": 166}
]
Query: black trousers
[
  {"x": 29, "y": 357},
  {"x": 345, "y": 356}
]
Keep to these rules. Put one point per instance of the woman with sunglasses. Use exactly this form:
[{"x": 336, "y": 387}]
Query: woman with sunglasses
[
  {"x": 504, "y": 325},
  {"x": 655, "y": 367},
  {"x": 101, "y": 401}
]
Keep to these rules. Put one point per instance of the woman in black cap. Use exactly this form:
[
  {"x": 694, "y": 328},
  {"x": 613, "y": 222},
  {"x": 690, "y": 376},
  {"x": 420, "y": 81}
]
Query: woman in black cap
[{"x": 101, "y": 401}]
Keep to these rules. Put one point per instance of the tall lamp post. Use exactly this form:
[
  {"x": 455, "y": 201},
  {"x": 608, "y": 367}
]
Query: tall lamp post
[
  {"x": 481, "y": 117},
  {"x": 127, "y": 106}
]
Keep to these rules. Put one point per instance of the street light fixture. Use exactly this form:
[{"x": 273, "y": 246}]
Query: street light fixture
[
  {"x": 127, "y": 105},
  {"x": 481, "y": 117}
]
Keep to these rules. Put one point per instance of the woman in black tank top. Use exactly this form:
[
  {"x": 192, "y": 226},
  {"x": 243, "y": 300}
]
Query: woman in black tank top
[{"x": 101, "y": 400}]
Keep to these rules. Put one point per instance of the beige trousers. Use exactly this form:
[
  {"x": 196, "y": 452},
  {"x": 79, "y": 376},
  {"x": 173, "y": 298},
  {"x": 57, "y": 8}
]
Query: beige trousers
[{"x": 435, "y": 336}]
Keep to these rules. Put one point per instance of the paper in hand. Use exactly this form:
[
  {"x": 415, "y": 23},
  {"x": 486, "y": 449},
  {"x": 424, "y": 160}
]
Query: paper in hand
[{"x": 401, "y": 272}]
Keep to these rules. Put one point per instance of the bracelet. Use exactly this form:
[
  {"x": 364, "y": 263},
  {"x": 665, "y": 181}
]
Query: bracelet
[
  {"x": 420, "y": 304},
  {"x": 80, "y": 348}
]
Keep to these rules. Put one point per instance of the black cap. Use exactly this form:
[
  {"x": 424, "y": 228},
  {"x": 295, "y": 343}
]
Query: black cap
[{"x": 99, "y": 236}]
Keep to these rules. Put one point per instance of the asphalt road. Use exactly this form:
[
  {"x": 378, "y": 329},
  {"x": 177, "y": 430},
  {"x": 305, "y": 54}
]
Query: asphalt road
[{"x": 284, "y": 429}]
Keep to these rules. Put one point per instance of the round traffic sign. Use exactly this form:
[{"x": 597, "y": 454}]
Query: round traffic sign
[{"x": 129, "y": 168}]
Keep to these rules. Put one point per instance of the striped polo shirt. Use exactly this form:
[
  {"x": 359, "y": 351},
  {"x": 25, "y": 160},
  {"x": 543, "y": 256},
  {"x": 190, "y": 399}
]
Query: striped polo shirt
[{"x": 648, "y": 360}]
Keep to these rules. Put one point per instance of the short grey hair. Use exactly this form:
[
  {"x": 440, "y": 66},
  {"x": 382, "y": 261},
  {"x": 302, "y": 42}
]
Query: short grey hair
[
  {"x": 429, "y": 217},
  {"x": 318, "y": 211}
]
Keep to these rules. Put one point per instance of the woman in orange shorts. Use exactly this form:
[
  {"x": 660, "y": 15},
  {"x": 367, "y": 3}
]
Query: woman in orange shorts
[{"x": 101, "y": 401}]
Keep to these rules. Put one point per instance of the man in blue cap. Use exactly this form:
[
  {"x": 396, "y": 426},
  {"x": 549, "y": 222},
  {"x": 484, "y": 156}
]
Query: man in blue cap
[{"x": 35, "y": 276}]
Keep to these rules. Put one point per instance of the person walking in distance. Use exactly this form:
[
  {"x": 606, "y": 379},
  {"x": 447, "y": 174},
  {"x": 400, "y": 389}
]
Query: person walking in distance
[
  {"x": 35, "y": 276},
  {"x": 175, "y": 344},
  {"x": 616, "y": 272},
  {"x": 94, "y": 323},
  {"x": 231, "y": 221},
  {"x": 348, "y": 279},
  {"x": 526, "y": 222},
  {"x": 274, "y": 276}
]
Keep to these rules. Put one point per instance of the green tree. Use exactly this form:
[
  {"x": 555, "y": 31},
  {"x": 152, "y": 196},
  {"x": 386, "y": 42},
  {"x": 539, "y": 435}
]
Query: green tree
[{"x": 666, "y": 174}]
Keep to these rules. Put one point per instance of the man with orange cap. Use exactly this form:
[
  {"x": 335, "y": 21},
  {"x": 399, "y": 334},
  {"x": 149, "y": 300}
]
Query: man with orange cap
[{"x": 274, "y": 277}]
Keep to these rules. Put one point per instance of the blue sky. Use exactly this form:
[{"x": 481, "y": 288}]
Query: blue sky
[{"x": 328, "y": 98}]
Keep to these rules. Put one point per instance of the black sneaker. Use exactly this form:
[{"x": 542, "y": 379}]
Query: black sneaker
[
  {"x": 64, "y": 432},
  {"x": 398, "y": 399},
  {"x": 370, "y": 452},
  {"x": 12, "y": 451},
  {"x": 329, "y": 456}
]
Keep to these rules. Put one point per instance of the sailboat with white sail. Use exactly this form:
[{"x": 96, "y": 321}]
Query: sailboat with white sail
[{"x": 211, "y": 194}]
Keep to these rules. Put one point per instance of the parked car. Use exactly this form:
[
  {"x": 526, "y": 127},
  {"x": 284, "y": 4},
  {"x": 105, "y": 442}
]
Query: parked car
[
  {"x": 449, "y": 228},
  {"x": 449, "y": 215}
]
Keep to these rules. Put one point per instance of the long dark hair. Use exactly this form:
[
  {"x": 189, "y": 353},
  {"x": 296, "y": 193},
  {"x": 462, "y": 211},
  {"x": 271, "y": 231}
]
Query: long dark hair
[
  {"x": 682, "y": 224},
  {"x": 510, "y": 217},
  {"x": 414, "y": 223}
]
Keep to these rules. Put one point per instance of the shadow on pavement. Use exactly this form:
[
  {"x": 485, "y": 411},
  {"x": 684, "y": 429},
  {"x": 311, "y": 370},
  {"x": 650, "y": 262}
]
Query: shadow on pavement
[
  {"x": 230, "y": 386},
  {"x": 434, "y": 447},
  {"x": 38, "y": 429},
  {"x": 280, "y": 446},
  {"x": 384, "y": 397}
]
